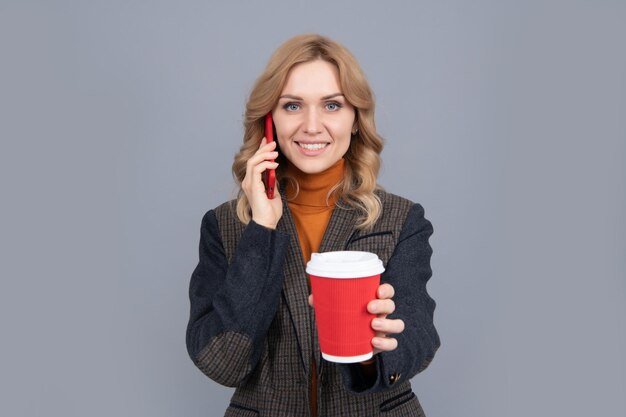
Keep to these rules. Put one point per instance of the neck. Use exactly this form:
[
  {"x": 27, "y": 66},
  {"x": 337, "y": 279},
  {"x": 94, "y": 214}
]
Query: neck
[{"x": 314, "y": 187}]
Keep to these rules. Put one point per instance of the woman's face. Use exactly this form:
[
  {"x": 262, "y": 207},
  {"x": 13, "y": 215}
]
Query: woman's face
[{"x": 313, "y": 112}]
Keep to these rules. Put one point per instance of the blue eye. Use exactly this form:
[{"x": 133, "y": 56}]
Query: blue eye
[
  {"x": 333, "y": 106},
  {"x": 291, "y": 106}
]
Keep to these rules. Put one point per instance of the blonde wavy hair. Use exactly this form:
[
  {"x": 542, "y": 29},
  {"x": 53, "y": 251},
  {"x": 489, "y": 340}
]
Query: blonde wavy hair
[{"x": 362, "y": 160}]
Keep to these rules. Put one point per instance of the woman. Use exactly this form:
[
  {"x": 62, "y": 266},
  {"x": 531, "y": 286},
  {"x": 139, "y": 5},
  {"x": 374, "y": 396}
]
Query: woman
[{"x": 251, "y": 324}]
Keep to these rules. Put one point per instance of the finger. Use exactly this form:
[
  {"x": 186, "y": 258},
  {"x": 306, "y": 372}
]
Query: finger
[
  {"x": 253, "y": 178},
  {"x": 255, "y": 163},
  {"x": 381, "y": 307},
  {"x": 266, "y": 144},
  {"x": 386, "y": 291},
  {"x": 258, "y": 169},
  {"x": 388, "y": 326},
  {"x": 311, "y": 300},
  {"x": 262, "y": 156},
  {"x": 254, "y": 170},
  {"x": 385, "y": 343}
]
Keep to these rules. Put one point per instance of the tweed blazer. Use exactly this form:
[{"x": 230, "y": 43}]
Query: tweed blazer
[{"x": 251, "y": 327}]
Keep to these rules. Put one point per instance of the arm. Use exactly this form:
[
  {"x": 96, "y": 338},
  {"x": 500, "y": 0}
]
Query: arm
[
  {"x": 232, "y": 306},
  {"x": 408, "y": 271}
]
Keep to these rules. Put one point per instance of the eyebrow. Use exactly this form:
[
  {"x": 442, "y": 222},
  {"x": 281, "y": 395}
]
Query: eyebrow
[{"x": 300, "y": 98}]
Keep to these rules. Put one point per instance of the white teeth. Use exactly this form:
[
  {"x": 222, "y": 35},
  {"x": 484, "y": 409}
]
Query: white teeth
[{"x": 313, "y": 147}]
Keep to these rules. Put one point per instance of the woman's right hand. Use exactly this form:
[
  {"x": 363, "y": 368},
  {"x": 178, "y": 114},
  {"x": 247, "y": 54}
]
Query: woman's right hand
[{"x": 265, "y": 212}]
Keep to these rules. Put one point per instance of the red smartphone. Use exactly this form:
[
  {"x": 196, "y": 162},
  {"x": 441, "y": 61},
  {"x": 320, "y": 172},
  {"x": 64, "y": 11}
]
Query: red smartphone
[{"x": 269, "y": 175}]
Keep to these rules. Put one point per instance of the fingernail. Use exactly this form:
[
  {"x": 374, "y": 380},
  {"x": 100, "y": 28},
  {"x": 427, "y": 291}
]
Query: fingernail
[
  {"x": 374, "y": 306},
  {"x": 377, "y": 324}
]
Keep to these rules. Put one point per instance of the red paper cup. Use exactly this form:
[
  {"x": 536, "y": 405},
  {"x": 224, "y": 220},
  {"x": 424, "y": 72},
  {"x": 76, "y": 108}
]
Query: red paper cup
[{"x": 343, "y": 283}]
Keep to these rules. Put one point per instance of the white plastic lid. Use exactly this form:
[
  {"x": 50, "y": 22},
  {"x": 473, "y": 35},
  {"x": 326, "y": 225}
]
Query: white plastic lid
[{"x": 344, "y": 264}]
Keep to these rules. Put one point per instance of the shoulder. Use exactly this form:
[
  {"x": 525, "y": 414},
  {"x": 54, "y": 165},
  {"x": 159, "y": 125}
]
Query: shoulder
[
  {"x": 392, "y": 200},
  {"x": 230, "y": 205},
  {"x": 220, "y": 218},
  {"x": 406, "y": 213},
  {"x": 226, "y": 212},
  {"x": 395, "y": 205},
  {"x": 222, "y": 211}
]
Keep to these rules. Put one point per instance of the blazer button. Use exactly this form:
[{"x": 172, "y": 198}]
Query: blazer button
[{"x": 394, "y": 378}]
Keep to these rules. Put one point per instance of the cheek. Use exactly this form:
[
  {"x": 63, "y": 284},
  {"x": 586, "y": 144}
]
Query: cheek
[
  {"x": 343, "y": 126},
  {"x": 341, "y": 132},
  {"x": 283, "y": 129},
  {"x": 281, "y": 144},
  {"x": 283, "y": 138}
]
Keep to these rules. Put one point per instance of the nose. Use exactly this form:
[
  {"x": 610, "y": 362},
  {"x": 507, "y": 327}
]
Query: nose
[{"x": 312, "y": 122}]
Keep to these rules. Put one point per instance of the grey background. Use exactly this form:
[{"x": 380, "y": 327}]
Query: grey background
[{"x": 505, "y": 120}]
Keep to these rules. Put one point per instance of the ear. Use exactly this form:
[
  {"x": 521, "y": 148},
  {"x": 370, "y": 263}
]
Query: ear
[{"x": 355, "y": 126}]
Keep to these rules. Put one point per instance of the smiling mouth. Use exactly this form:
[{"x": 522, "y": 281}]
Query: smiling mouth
[{"x": 313, "y": 146}]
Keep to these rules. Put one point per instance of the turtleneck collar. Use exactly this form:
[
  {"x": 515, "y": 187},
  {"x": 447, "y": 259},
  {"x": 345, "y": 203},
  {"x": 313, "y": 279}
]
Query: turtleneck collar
[{"x": 314, "y": 187}]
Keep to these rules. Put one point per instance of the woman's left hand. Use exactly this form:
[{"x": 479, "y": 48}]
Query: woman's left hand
[
  {"x": 382, "y": 306},
  {"x": 383, "y": 326}
]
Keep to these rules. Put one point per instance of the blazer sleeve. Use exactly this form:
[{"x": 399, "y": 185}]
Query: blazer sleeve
[
  {"x": 408, "y": 270},
  {"x": 232, "y": 306}
]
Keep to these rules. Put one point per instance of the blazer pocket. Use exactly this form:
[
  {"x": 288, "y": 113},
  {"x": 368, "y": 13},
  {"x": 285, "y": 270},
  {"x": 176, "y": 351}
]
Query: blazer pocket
[
  {"x": 238, "y": 410},
  {"x": 368, "y": 235},
  {"x": 396, "y": 401}
]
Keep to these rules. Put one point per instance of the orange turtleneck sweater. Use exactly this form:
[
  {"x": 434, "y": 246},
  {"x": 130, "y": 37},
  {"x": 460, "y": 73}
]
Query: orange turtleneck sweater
[
  {"x": 311, "y": 215},
  {"x": 309, "y": 209}
]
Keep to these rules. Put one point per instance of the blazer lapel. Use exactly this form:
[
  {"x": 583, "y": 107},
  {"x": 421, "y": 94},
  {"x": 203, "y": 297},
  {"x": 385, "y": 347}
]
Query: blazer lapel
[{"x": 295, "y": 287}]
